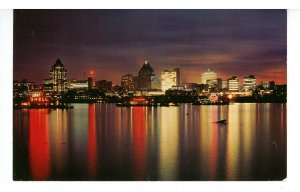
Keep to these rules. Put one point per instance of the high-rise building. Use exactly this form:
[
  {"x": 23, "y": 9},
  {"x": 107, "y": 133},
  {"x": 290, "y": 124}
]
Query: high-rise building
[
  {"x": 144, "y": 77},
  {"x": 127, "y": 82},
  {"x": 57, "y": 83},
  {"x": 91, "y": 79},
  {"x": 104, "y": 85},
  {"x": 214, "y": 84},
  {"x": 249, "y": 83},
  {"x": 233, "y": 83},
  {"x": 224, "y": 84},
  {"x": 155, "y": 82},
  {"x": 208, "y": 75},
  {"x": 170, "y": 78}
]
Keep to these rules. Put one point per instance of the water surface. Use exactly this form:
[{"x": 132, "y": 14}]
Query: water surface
[{"x": 105, "y": 142}]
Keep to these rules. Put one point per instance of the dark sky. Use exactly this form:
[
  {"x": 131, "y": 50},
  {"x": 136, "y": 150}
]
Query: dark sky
[{"x": 115, "y": 42}]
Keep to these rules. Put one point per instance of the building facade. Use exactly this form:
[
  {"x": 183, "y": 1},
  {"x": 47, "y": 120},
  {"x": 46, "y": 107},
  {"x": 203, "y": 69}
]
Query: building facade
[
  {"x": 144, "y": 77},
  {"x": 214, "y": 84},
  {"x": 91, "y": 80},
  {"x": 249, "y": 83},
  {"x": 57, "y": 83},
  {"x": 78, "y": 84},
  {"x": 208, "y": 75},
  {"x": 155, "y": 82},
  {"x": 104, "y": 85},
  {"x": 224, "y": 84},
  {"x": 170, "y": 78},
  {"x": 127, "y": 82},
  {"x": 233, "y": 83}
]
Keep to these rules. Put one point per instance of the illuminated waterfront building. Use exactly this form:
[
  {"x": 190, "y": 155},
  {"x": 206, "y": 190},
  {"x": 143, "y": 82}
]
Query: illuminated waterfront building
[
  {"x": 23, "y": 88},
  {"x": 91, "y": 80},
  {"x": 249, "y": 83},
  {"x": 208, "y": 75},
  {"x": 127, "y": 82},
  {"x": 224, "y": 84},
  {"x": 144, "y": 77},
  {"x": 104, "y": 85},
  {"x": 57, "y": 83},
  {"x": 155, "y": 82},
  {"x": 233, "y": 83},
  {"x": 78, "y": 84},
  {"x": 189, "y": 86},
  {"x": 214, "y": 84},
  {"x": 170, "y": 78},
  {"x": 270, "y": 85}
]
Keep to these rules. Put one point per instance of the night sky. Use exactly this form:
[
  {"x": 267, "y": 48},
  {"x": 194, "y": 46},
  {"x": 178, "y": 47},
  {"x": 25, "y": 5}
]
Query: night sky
[{"x": 116, "y": 42}]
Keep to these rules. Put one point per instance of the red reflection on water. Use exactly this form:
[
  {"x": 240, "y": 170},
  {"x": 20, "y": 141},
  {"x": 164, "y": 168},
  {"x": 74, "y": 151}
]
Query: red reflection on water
[
  {"x": 39, "y": 153},
  {"x": 139, "y": 142},
  {"x": 92, "y": 143},
  {"x": 214, "y": 146}
]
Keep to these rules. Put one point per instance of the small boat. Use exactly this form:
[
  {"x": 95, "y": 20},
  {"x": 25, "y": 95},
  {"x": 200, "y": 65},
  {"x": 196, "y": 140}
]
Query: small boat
[{"x": 222, "y": 121}]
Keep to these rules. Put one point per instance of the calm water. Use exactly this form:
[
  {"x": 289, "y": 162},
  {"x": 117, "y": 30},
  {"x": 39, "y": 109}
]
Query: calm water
[{"x": 105, "y": 142}]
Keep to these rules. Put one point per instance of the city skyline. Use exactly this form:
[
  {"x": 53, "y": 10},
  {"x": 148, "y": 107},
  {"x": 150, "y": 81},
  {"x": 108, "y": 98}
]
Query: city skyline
[{"x": 116, "y": 42}]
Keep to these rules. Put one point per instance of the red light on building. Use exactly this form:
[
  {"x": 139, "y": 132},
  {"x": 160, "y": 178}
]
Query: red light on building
[
  {"x": 91, "y": 73},
  {"x": 213, "y": 98},
  {"x": 42, "y": 100}
]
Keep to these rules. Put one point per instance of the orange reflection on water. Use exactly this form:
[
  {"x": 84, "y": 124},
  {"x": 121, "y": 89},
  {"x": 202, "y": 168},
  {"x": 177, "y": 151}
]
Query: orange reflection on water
[
  {"x": 139, "y": 142},
  {"x": 39, "y": 153},
  {"x": 92, "y": 143}
]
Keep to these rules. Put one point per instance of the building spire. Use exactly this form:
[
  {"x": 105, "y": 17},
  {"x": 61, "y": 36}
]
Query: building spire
[{"x": 58, "y": 61}]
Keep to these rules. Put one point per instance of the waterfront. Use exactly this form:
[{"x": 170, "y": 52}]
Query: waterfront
[{"x": 105, "y": 142}]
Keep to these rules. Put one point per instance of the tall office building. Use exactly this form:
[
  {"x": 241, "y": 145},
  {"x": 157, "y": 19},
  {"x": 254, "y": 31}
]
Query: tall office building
[
  {"x": 91, "y": 79},
  {"x": 170, "y": 78},
  {"x": 104, "y": 85},
  {"x": 208, "y": 75},
  {"x": 224, "y": 84},
  {"x": 233, "y": 83},
  {"x": 249, "y": 83},
  {"x": 127, "y": 82},
  {"x": 144, "y": 77},
  {"x": 155, "y": 82},
  {"x": 214, "y": 84},
  {"x": 57, "y": 83}
]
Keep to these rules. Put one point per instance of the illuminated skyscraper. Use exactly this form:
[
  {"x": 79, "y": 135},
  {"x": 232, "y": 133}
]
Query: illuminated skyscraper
[
  {"x": 224, "y": 84},
  {"x": 144, "y": 77},
  {"x": 170, "y": 78},
  {"x": 208, "y": 75},
  {"x": 128, "y": 82},
  {"x": 155, "y": 82},
  {"x": 57, "y": 83},
  {"x": 249, "y": 83},
  {"x": 214, "y": 84},
  {"x": 233, "y": 83}
]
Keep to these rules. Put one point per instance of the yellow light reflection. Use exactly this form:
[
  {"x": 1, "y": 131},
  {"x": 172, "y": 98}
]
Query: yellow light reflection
[
  {"x": 59, "y": 139},
  {"x": 233, "y": 143},
  {"x": 205, "y": 137},
  {"x": 247, "y": 136},
  {"x": 168, "y": 149}
]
